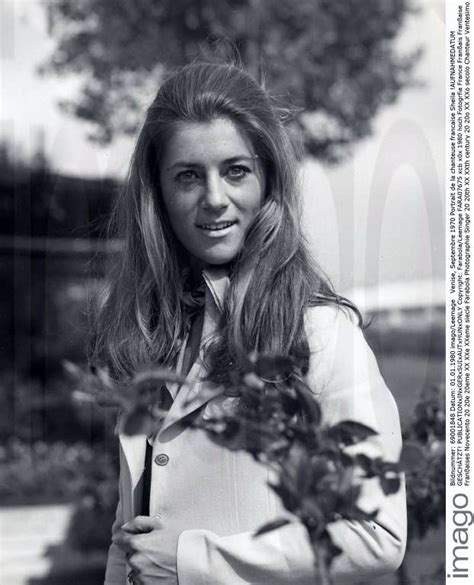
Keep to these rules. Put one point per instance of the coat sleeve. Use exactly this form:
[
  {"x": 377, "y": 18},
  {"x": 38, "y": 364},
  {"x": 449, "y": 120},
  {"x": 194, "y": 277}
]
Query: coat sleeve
[
  {"x": 344, "y": 375},
  {"x": 115, "y": 572}
]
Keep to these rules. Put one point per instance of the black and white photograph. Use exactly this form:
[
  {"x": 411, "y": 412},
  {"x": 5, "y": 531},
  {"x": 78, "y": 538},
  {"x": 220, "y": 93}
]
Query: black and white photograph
[{"x": 235, "y": 292}]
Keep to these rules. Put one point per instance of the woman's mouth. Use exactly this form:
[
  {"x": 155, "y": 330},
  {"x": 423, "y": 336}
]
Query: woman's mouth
[{"x": 215, "y": 226}]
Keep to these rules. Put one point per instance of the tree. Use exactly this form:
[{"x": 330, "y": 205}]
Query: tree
[{"x": 336, "y": 62}]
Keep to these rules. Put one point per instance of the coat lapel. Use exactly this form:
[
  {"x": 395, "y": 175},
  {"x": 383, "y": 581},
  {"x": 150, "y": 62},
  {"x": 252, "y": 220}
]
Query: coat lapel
[
  {"x": 197, "y": 391},
  {"x": 134, "y": 450},
  {"x": 191, "y": 396}
]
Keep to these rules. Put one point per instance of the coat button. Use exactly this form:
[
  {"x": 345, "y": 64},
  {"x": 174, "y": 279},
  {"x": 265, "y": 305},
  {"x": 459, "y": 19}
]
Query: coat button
[{"x": 162, "y": 459}]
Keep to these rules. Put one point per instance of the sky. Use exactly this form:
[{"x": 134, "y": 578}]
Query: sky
[{"x": 376, "y": 218}]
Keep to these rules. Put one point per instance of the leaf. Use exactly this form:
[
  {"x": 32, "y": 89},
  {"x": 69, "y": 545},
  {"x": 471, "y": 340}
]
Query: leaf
[
  {"x": 227, "y": 428},
  {"x": 138, "y": 422},
  {"x": 273, "y": 525},
  {"x": 104, "y": 377},
  {"x": 345, "y": 459},
  {"x": 346, "y": 485},
  {"x": 311, "y": 513},
  {"x": 95, "y": 386},
  {"x": 239, "y": 434},
  {"x": 390, "y": 483},
  {"x": 366, "y": 463},
  {"x": 349, "y": 432},
  {"x": 321, "y": 466},
  {"x": 252, "y": 380},
  {"x": 289, "y": 404},
  {"x": 278, "y": 446},
  {"x": 274, "y": 367},
  {"x": 73, "y": 369},
  {"x": 286, "y": 493},
  {"x": 82, "y": 397},
  {"x": 308, "y": 403}
]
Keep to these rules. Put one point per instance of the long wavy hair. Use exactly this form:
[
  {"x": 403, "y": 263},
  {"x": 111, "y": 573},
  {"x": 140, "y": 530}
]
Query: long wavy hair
[{"x": 141, "y": 319}]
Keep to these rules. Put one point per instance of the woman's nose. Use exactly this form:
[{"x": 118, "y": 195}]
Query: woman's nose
[{"x": 215, "y": 192}]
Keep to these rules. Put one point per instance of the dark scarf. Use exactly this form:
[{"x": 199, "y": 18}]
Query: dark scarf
[
  {"x": 193, "y": 298},
  {"x": 193, "y": 293}
]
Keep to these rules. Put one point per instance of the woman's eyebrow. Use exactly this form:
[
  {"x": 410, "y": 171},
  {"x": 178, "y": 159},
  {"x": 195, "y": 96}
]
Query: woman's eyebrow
[
  {"x": 240, "y": 157},
  {"x": 181, "y": 164},
  {"x": 227, "y": 161}
]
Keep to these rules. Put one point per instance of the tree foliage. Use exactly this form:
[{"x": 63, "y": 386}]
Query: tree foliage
[{"x": 335, "y": 62}]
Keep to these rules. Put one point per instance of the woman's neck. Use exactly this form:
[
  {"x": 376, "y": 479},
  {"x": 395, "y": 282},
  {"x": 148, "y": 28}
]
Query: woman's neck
[{"x": 197, "y": 266}]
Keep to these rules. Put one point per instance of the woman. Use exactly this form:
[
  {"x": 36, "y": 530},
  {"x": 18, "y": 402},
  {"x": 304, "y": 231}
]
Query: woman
[{"x": 214, "y": 267}]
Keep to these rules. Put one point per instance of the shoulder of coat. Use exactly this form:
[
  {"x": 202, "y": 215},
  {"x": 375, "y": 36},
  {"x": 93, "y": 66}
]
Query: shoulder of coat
[{"x": 324, "y": 323}]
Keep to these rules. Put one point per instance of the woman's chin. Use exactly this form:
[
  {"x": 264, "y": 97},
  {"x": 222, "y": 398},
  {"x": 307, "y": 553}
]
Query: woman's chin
[
  {"x": 217, "y": 255},
  {"x": 218, "y": 260}
]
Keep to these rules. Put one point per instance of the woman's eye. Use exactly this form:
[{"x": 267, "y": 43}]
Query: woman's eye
[
  {"x": 236, "y": 172},
  {"x": 187, "y": 177}
]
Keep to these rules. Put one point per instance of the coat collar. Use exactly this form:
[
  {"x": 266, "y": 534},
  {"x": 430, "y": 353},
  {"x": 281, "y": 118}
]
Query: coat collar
[{"x": 217, "y": 281}]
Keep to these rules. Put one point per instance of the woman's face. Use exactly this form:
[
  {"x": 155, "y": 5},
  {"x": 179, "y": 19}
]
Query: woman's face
[{"x": 212, "y": 186}]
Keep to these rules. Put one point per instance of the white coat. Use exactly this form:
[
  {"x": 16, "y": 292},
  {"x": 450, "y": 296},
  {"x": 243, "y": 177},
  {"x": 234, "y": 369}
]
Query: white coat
[{"x": 220, "y": 497}]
